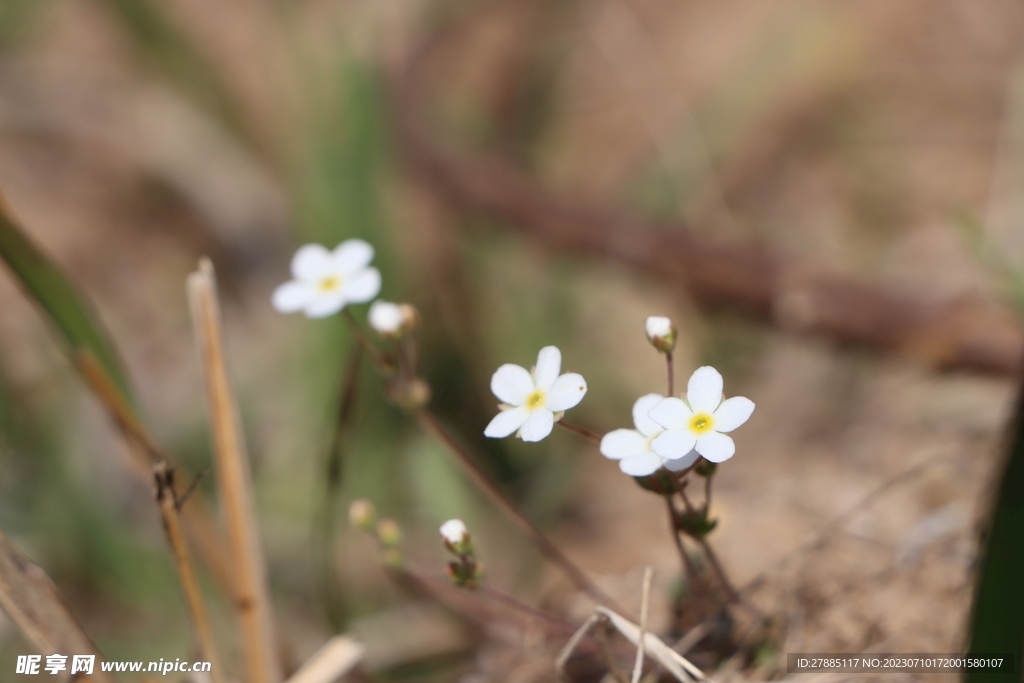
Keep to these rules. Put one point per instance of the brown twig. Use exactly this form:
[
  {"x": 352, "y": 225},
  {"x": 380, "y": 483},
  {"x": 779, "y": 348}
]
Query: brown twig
[
  {"x": 582, "y": 431},
  {"x": 252, "y": 598},
  {"x": 196, "y": 518},
  {"x": 497, "y": 496},
  {"x": 967, "y": 334},
  {"x": 170, "y": 506}
]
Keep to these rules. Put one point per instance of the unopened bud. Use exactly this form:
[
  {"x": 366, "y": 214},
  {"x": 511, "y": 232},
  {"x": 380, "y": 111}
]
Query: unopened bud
[
  {"x": 410, "y": 394},
  {"x": 661, "y": 333},
  {"x": 456, "y": 537},
  {"x": 388, "y": 533},
  {"x": 362, "y": 515},
  {"x": 392, "y": 320},
  {"x": 706, "y": 468}
]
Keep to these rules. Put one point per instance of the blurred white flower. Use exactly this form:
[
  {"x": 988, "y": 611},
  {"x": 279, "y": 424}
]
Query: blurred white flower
[
  {"x": 700, "y": 422},
  {"x": 327, "y": 281},
  {"x": 632, "y": 447},
  {"x": 385, "y": 317},
  {"x": 531, "y": 399},
  {"x": 661, "y": 333},
  {"x": 454, "y": 531}
]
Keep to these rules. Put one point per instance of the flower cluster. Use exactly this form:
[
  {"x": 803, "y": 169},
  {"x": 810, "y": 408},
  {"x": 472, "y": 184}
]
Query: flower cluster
[{"x": 669, "y": 432}]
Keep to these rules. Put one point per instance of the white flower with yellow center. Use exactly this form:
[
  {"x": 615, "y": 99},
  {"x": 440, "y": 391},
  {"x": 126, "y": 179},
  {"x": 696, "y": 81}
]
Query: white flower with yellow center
[
  {"x": 327, "y": 281},
  {"x": 531, "y": 399},
  {"x": 632, "y": 447},
  {"x": 700, "y": 422}
]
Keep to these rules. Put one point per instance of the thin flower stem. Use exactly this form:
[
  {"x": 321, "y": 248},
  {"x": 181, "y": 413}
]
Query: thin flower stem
[
  {"x": 372, "y": 352},
  {"x": 582, "y": 431},
  {"x": 671, "y": 374},
  {"x": 491, "y": 490},
  {"x": 707, "y": 495},
  {"x": 691, "y": 571},
  {"x": 710, "y": 554}
]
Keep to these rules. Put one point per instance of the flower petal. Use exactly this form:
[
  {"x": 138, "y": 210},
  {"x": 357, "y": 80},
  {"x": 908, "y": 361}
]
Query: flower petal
[
  {"x": 549, "y": 364},
  {"x": 671, "y": 413},
  {"x": 732, "y": 413},
  {"x": 715, "y": 447},
  {"x": 704, "y": 390},
  {"x": 643, "y": 422},
  {"x": 674, "y": 443},
  {"x": 537, "y": 425},
  {"x": 641, "y": 465},
  {"x": 682, "y": 463},
  {"x": 567, "y": 392},
  {"x": 351, "y": 256},
  {"x": 623, "y": 443},
  {"x": 324, "y": 305},
  {"x": 292, "y": 297},
  {"x": 512, "y": 384},
  {"x": 362, "y": 286},
  {"x": 506, "y": 422},
  {"x": 312, "y": 262}
]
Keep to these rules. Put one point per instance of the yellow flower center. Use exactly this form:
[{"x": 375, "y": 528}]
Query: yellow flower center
[
  {"x": 329, "y": 283},
  {"x": 701, "y": 422},
  {"x": 536, "y": 400}
]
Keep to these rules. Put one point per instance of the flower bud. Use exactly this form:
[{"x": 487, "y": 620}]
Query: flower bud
[
  {"x": 661, "y": 333},
  {"x": 388, "y": 533},
  {"x": 706, "y": 468},
  {"x": 362, "y": 515},
  {"x": 392, "y": 320},
  {"x": 456, "y": 537}
]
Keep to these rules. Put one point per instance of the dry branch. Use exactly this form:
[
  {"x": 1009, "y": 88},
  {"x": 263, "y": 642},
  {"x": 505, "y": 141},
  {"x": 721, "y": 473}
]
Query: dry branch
[
  {"x": 967, "y": 334},
  {"x": 252, "y": 594},
  {"x": 170, "y": 507},
  {"x": 31, "y": 600},
  {"x": 196, "y": 518}
]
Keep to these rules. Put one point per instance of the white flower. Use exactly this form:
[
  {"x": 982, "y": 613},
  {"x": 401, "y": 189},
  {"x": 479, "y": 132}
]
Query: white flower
[
  {"x": 326, "y": 281},
  {"x": 453, "y": 531},
  {"x": 385, "y": 317},
  {"x": 530, "y": 400},
  {"x": 700, "y": 422},
  {"x": 661, "y": 333},
  {"x": 632, "y": 447}
]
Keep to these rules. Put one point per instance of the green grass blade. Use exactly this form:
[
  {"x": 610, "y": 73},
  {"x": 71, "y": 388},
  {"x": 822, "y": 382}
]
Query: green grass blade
[
  {"x": 54, "y": 293},
  {"x": 997, "y": 622}
]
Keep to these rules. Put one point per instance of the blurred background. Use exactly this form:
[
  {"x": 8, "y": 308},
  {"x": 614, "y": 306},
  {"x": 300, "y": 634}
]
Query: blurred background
[{"x": 824, "y": 196}]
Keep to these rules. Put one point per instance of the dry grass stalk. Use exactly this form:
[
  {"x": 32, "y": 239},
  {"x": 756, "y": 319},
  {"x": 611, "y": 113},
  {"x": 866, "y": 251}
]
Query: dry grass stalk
[
  {"x": 252, "y": 594},
  {"x": 638, "y": 665},
  {"x": 673, "y": 662},
  {"x": 336, "y": 658},
  {"x": 170, "y": 506},
  {"x": 196, "y": 518},
  {"x": 32, "y": 602}
]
